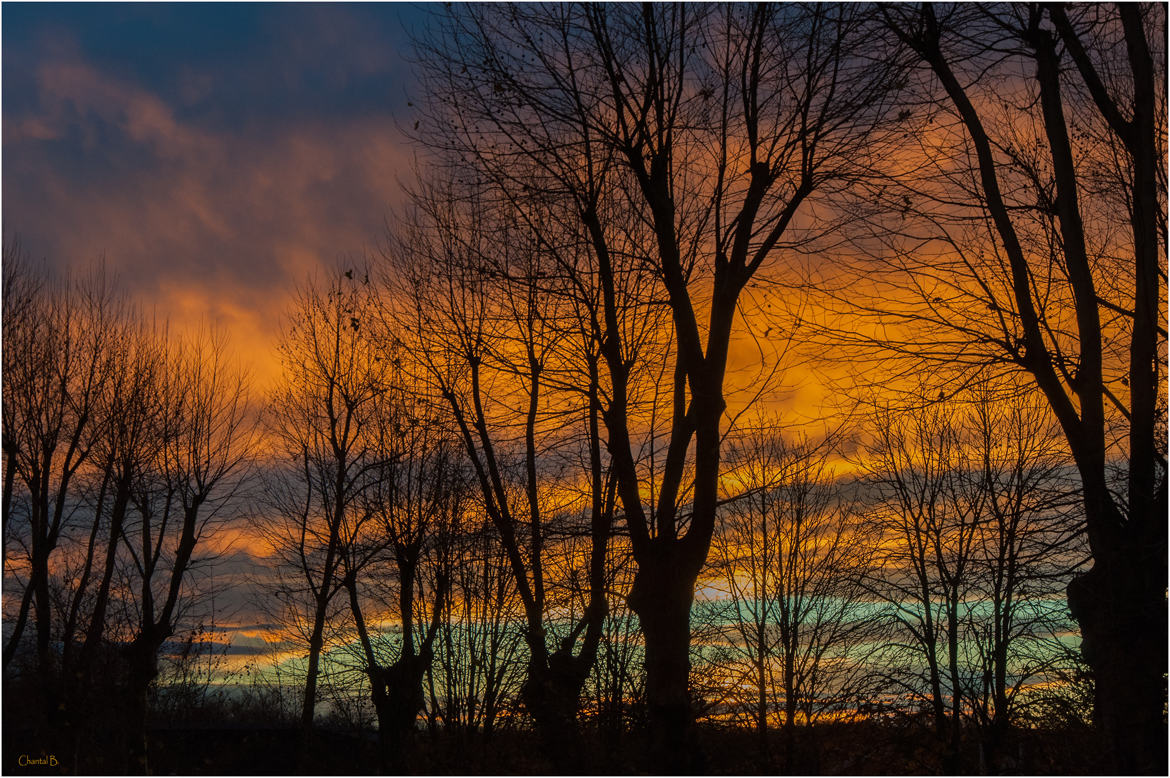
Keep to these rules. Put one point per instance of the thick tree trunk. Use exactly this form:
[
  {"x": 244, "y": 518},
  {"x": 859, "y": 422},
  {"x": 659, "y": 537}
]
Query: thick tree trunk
[
  {"x": 391, "y": 741},
  {"x": 552, "y": 694},
  {"x": 397, "y": 694},
  {"x": 137, "y": 760},
  {"x": 48, "y": 670},
  {"x": 662, "y": 596},
  {"x": 1121, "y": 608},
  {"x": 141, "y": 670},
  {"x": 1121, "y": 602}
]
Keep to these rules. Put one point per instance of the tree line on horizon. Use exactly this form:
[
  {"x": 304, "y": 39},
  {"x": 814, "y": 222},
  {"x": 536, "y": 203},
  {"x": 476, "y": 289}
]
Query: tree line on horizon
[{"x": 507, "y": 451}]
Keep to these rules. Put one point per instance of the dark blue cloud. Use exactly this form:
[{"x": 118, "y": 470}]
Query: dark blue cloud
[{"x": 224, "y": 65}]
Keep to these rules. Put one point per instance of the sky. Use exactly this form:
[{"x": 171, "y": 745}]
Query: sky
[{"x": 213, "y": 154}]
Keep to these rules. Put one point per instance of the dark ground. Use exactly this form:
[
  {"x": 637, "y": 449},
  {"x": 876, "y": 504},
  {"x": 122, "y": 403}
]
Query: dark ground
[{"x": 864, "y": 748}]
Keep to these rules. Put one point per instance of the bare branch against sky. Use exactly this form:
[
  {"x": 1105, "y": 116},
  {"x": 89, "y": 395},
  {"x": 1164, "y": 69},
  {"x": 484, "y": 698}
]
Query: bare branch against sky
[{"x": 584, "y": 388}]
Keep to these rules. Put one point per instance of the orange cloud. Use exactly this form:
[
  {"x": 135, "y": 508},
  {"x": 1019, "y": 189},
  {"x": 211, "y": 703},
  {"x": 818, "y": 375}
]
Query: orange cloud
[{"x": 202, "y": 226}]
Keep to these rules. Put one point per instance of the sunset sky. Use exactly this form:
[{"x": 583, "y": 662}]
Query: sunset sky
[
  {"x": 585, "y": 372},
  {"x": 213, "y": 154},
  {"x": 216, "y": 155}
]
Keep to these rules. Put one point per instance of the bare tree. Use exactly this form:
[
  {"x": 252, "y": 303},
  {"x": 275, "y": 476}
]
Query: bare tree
[
  {"x": 616, "y": 689},
  {"x": 795, "y": 610},
  {"x": 367, "y": 500},
  {"x": 480, "y": 657},
  {"x": 926, "y": 526},
  {"x": 92, "y": 576},
  {"x": 204, "y": 445},
  {"x": 414, "y": 506},
  {"x": 21, "y": 291},
  {"x": 128, "y": 442},
  {"x": 710, "y": 129},
  {"x": 1040, "y": 134},
  {"x": 1027, "y": 547},
  {"x": 499, "y": 351},
  {"x": 975, "y": 537},
  {"x": 57, "y": 346},
  {"x": 322, "y": 421}
]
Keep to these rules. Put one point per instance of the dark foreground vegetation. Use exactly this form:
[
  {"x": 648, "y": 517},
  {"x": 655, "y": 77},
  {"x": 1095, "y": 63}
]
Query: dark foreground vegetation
[{"x": 894, "y": 746}]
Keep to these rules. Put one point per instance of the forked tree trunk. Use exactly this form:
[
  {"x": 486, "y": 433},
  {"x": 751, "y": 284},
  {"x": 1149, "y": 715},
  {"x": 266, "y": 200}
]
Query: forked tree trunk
[
  {"x": 552, "y": 694},
  {"x": 397, "y": 694}
]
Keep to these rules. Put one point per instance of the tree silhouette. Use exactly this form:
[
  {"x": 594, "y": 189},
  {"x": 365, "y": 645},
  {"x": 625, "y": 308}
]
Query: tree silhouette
[
  {"x": 788, "y": 553},
  {"x": 709, "y": 129},
  {"x": 325, "y": 423},
  {"x": 414, "y": 506},
  {"x": 128, "y": 443},
  {"x": 1004, "y": 251},
  {"x": 204, "y": 443},
  {"x": 974, "y": 534},
  {"x": 510, "y": 487},
  {"x": 495, "y": 344}
]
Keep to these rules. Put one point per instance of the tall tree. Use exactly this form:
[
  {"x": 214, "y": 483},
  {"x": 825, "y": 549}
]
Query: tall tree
[
  {"x": 974, "y": 518},
  {"x": 129, "y": 442},
  {"x": 518, "y": 382},
  {"x": 787, "y": 552},
  {"x": 925, "y": 525},
  {"x": 1006, "y": 249},
  {"x": 21, "y": 291},
  {"x": 323, "y": 421},
  {"x": 413, "y": 508},
  {"x": 204, "y": 435},
  {"x": 1027, "y": 547},
  {"x": 57, "y": 340},
  {"x": 479, "y": 665},
  {"x": 682, "y": 143}
]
